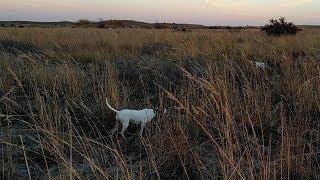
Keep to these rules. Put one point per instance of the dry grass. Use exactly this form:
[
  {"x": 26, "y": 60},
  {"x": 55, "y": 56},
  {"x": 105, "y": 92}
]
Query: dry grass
[{"x": 233, "y": 121}]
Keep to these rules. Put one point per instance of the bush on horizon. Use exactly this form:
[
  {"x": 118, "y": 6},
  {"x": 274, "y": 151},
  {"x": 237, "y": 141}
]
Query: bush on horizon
[{"x": 280, "y": 27}]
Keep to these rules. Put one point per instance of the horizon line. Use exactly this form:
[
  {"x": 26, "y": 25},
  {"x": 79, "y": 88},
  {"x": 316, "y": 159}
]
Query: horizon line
[{"x": 95, "y": 21}]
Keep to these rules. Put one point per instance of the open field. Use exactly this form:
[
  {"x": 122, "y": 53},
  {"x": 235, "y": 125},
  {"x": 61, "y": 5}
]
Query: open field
[{"x": 226, "y": 119}]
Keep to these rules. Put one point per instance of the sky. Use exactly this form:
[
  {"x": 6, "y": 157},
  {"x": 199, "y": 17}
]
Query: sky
[{"x": 207, "y": 12}]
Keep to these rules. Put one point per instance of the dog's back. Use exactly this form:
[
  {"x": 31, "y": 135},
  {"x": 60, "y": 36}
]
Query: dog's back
[
  {"x": 260, "y": 65},
  {"x": 136, "y": 116}
]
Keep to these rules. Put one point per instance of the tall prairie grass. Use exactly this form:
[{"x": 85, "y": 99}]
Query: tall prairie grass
[{"x": 226, "y": 119}]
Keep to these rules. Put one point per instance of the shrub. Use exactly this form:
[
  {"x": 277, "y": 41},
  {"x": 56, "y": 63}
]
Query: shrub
[
  {"x": 184, "y": 29},
  {"x": 298, "y": 54},
  {"x": 101, "y": 25},
  {"x": 115, "y": 23},
  {"x": 280, "y": 27},
  {"x": 213, "y": 27},
  {"x": 160, "y": 26},
  {"x": 83, "y": 22}
]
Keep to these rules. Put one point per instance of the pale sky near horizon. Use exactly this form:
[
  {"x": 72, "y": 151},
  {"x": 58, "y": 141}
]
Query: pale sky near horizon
[{"x": 207, "y": 12}]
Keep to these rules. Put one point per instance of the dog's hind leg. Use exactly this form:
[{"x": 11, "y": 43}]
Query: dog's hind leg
[
  {"x": 115, "y": 127},
  {"x": 125, "y": 125}
]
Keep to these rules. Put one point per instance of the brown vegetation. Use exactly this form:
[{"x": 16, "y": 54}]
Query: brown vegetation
[{"x": 225, "y": 120}]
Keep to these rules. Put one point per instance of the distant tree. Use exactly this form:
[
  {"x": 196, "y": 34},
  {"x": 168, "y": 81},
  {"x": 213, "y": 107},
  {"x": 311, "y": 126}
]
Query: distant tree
[
  {"x": 101, "y": 25},
  {"x": 117, "y": 23},
  {"x": 83, "y": 22},
  {"x": 228, "y": 27},
  {"x": 280, "y": 27},
  {"x": 213, "y": 27},
  {"x": 184, "y": 29},
  {"x": 99, "y": 20},
  {"x": 160, "y": 26},
  {"x": 2, "y": 25},
  {"x": 21, "y": 26},
  {"x": 174, "y": 26}
]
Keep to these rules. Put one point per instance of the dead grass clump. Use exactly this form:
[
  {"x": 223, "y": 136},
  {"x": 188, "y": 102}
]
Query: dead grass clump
[
  {"x": 226, "y": 119},
  {"x": 15, "y": 47},
  {"x": 156, "y": 49}
]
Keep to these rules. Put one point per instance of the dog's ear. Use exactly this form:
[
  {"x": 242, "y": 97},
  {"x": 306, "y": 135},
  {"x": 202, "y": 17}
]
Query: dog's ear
[{"x": 160, "y": 110}]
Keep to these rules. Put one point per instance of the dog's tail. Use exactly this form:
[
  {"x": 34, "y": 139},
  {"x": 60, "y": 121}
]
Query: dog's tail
[{"x": 113, "y": 109}]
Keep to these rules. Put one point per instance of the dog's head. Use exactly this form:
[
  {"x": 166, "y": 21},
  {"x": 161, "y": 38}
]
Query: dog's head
[{"x": 160, "y": 111}]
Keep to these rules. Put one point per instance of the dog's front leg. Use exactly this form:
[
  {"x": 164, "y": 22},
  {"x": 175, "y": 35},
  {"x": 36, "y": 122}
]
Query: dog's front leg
[{"x": 142, "y": 126}]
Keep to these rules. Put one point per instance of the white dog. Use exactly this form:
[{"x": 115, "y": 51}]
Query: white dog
[
  {"x": 135, "y": 116},
  {"x": 260, "y": 65}
]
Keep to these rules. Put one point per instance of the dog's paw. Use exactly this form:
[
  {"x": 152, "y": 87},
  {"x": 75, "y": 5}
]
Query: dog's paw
[
  {"x": 123, "y": 137},
  {"x": 110, "y": 135}
]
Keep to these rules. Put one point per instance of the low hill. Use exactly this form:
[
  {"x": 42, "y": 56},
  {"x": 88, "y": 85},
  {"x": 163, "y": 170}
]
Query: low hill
[
  {"x": 124, "y": 23},
  {"x": 35, "y": 23},
  {"x": 117, "y": 24},
  {"x": 131, "y": 23}
]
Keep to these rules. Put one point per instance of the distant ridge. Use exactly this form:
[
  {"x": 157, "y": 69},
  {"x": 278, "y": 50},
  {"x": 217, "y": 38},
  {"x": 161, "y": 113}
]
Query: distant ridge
[
  {"x": 125, "y": 23},
  {"x": 106, "y": 23},
  {"x": 33, "y": 23},
  {"x": 132, "y": 23}
]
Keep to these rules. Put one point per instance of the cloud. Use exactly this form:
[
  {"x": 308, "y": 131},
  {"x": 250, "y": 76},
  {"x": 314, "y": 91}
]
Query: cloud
[
  {"x": 227, "y": 3},
  {"x": 294, "y": 3},
  {"x": 229, "y": 6},
  {"x": 238, "y": 4}
]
